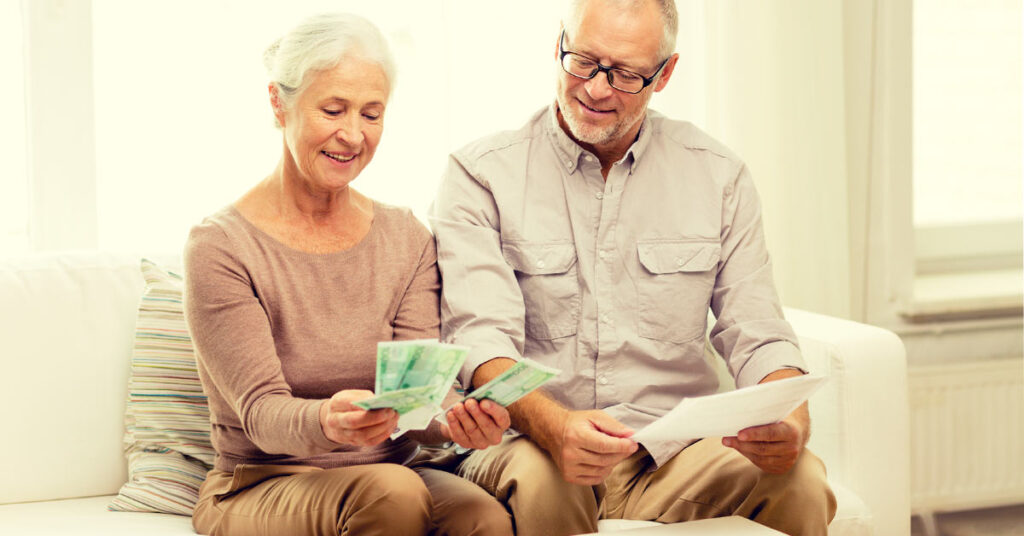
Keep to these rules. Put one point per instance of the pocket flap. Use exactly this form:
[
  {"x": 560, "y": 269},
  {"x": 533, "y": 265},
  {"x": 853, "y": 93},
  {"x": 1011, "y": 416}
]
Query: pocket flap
[
  {"x": 539, "y": 258},
  {"x": 681, "y": 256}
]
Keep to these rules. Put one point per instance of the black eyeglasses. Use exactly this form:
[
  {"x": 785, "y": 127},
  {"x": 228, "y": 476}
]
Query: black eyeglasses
[{"x": 586, "y": 68}]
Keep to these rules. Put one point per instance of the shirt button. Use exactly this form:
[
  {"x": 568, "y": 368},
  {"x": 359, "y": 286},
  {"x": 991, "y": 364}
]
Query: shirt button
[
  {"x": 603, "y": 380},
  {"x": 541, "y": 264},
  {"x": 599, "y": 195},
  {"x": 568, "y": 163},
  {"x": 680, "y": 262},
  {"x": 605, "y": 318}
]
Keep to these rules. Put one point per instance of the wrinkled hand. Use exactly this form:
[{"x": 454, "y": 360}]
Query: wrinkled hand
[
  {"x": 592, "y": 444},
  {"x": 476, "y": 425},
  {"x": 347, "y": 424},
  {"x": 774, "y": 448}
]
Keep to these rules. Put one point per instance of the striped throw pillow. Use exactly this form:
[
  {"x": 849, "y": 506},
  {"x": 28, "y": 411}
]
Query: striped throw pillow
[{"x": 167, "y": 422}]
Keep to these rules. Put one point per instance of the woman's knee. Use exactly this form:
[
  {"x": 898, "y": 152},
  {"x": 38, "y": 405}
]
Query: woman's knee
[{"x": 389, "y": 494}]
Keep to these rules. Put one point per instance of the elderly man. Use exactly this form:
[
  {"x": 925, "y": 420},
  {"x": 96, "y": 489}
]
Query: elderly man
[{"x": 594, "y": 239}]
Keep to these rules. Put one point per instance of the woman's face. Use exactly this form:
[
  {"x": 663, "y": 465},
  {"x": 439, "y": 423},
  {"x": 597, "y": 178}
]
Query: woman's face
[{"x": 332, "y": 128}]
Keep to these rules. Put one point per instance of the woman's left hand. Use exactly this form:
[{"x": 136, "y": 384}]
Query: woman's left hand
[{"x": 476, "y": 425}]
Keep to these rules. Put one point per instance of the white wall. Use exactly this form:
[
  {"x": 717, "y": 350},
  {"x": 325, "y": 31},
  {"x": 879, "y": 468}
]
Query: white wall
[{"x": 776, "y": 96}]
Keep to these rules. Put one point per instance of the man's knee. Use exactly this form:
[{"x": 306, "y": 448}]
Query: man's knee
[
  {"x": 479, "y": 515},
  {"x": 799, "y": 501},
  {"x": 805, "y": 488},
  {"x": 523, "y": 476},
  {"x": 530, "y": 469}
]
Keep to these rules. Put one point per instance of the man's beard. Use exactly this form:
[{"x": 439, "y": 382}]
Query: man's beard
[{"x": 592, "y": 134}]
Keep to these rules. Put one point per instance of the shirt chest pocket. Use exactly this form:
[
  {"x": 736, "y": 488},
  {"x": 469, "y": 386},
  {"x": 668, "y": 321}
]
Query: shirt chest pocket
[
  {"x": 551, "y": 292},
  {"x": 674, "y": 288}
]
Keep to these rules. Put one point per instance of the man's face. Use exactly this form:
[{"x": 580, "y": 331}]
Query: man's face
[{"x": 596, "y": 113}]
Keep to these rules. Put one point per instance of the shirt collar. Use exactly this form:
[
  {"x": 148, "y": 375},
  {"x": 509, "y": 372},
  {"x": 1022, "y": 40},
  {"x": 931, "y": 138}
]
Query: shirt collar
[
  {"x": 566, "y": 149},
  {"x": 569, "y": 152}
]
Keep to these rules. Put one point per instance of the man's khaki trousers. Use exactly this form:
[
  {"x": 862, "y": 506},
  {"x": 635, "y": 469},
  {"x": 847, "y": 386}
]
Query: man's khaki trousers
[{"x": 703, "y": 481}]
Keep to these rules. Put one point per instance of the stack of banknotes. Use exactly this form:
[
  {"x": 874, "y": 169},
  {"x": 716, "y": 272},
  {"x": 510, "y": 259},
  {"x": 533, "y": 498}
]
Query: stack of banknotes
[{"x": 413, "y": 378}]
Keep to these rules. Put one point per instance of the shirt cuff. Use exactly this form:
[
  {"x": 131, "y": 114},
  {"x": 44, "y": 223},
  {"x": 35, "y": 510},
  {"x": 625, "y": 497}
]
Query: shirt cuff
[
  {"x": 767, "y": 359},
  {"x": 480, "y": 354}
]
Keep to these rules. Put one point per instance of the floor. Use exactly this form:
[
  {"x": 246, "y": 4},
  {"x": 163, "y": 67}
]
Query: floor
[{"x": 1003, "y": 521}]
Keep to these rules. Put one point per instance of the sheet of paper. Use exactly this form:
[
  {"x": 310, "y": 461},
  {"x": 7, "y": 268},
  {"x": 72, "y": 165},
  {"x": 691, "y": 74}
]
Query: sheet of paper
[{"x": 725, "y": 414}]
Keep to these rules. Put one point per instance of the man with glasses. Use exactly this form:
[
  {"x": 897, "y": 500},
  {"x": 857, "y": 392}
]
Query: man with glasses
[{"x": 594, "y": 240}]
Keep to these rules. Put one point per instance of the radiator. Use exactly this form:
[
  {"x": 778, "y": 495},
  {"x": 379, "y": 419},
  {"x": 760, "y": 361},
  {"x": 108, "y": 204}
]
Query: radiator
[{"x": 967, "y": 435}]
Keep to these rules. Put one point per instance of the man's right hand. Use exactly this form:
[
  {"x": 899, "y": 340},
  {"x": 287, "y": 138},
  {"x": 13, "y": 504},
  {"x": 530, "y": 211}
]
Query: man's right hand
[{"x": 592, "y": 444}]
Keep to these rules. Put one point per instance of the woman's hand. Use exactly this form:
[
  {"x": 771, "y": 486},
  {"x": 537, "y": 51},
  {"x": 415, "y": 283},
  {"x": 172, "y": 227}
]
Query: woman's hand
[
  {"x": 476, "y": 425},
  {"x": 347, "y": 424}
]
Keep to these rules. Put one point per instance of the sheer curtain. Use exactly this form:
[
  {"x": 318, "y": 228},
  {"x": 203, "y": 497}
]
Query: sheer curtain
[{"x": 14, "y": 200}]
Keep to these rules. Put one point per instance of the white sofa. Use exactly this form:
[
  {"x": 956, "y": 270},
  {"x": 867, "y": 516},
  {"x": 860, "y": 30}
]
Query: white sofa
[{"x": 67, "y": 326}]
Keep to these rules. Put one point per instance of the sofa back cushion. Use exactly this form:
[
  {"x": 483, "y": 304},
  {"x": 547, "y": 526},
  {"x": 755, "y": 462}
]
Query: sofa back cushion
[{"x": 67, "y": 323}]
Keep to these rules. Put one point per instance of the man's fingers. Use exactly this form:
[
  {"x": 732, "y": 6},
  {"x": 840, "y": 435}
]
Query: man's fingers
[
  {"x": 601, "y": 459},
  {"x": 764, "y": 448},
  {"x": 470, "y": 426},
  {"x": 498, "y": 414},
  {"x": 609, "y": 426},
  {"x": 779, "y": 431},
  {"x": 601, "y": 443},
  {"x": 489, "y": 428},
  {"x": 458, "y": 435},
  {"x": 587, "y": 474}
]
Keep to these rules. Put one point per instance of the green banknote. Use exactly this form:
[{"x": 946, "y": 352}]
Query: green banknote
[
  {"x": 402, "y": 400},
  {"x": 393, "y": 359},
  {"x": 515, "y": 383},
  {"x": 436, "y": 365}
]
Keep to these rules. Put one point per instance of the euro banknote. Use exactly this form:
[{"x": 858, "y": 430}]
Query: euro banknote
[{"x": 515, "y": 383}]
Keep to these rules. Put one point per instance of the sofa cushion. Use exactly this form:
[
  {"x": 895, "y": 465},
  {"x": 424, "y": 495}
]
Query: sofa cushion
[
  {"x": 167, "y": 421},
  {"x": 87, "y": 516},
  {"x": 66, "y": 322}
]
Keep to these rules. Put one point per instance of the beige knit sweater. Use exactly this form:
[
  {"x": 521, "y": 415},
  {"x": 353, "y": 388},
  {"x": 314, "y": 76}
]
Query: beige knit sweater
[{"x": 277, "y": 330}]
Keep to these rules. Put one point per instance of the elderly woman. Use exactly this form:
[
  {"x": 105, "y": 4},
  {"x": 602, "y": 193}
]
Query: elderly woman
[{"x": 288, "y": 292}]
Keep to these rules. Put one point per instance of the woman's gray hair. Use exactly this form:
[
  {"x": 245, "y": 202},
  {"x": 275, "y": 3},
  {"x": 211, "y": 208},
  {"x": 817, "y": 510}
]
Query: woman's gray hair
[
  {"x": 321, "y": 42},
  {"x": 669, "y": 19}
]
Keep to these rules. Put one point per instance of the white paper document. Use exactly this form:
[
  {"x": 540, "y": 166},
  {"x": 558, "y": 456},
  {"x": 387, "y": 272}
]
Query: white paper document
[{"x": 725, "y": 414}]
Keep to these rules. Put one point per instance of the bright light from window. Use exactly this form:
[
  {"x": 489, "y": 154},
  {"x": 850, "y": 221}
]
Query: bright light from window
[
  {"x": 183, "y": 121},
  {"x": 967, "y": 111},
  {"x": 14, "y": 180}
]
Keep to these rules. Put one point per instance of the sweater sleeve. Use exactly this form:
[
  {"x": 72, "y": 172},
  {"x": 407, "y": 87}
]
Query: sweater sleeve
[
  {"x": 236, "y": 354},
  {"x": 418, "y": 314}
]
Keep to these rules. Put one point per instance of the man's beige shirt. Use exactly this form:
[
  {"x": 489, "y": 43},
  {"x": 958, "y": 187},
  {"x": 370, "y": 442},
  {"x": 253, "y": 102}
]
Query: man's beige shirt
[{"x": 609, "y": 281}]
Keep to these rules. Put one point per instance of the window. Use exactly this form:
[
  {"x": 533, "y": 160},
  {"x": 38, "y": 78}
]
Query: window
[{"x": 967, "y": 156}]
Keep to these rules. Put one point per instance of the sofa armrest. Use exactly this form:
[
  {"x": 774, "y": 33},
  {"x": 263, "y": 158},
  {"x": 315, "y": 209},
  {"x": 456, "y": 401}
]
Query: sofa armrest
[{"x": 860, "y": 418}]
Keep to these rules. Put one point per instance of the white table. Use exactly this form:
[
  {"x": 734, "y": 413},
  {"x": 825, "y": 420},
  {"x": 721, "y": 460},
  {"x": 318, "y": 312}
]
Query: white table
[{"x": 719, "y": 526}]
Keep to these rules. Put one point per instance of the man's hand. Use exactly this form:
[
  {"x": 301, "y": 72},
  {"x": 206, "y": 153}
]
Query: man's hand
[
  {"x": 592, "y": 444},
  {"x": 772, "y": 447},
  {"x": 345, "y": 423},
  {"x": 476, "y": 425},
  {"x": 775, "y": 447}
]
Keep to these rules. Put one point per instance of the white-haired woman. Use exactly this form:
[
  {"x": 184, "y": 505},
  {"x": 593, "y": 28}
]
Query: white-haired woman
[{"x": 288, "y": 291}]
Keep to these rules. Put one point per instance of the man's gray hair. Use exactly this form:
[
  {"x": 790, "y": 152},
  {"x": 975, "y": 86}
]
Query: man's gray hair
[
  {"x": 669, "y": 19},
  {"x": 322, "y": 42}
]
